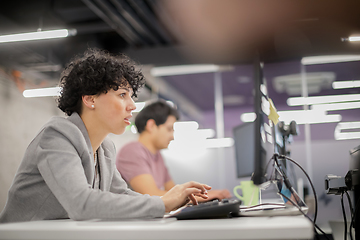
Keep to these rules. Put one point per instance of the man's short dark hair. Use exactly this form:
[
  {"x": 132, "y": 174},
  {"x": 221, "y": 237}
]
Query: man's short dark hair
[{"x": 159, "y": 111}]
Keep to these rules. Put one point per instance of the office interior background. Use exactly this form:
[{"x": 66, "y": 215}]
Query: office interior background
[{"x": 216, "y": 41}]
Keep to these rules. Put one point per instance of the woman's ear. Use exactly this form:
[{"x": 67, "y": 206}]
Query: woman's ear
[{"x": 88, "y": 101}]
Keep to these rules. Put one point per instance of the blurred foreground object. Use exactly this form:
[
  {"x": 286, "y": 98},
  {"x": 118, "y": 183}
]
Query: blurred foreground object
[{"x": 229, "y": 31}]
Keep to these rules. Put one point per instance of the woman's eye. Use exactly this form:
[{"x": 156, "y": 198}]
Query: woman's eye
[{"x": 122, "y": 95}]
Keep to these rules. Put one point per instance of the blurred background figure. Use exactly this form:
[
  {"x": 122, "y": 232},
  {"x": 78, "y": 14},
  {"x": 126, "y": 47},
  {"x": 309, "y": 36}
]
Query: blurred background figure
[{"x": 141, "y": 163}]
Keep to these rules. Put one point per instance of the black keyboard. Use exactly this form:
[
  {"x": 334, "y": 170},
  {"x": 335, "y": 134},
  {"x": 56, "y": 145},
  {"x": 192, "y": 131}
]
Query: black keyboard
[{"x": 213, "y": 209}]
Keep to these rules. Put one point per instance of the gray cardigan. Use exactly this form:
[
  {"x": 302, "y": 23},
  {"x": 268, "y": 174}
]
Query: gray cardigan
[{"x": 55, "y": 179}]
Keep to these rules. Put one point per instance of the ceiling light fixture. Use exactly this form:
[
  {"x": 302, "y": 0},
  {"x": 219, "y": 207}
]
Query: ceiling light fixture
[
  {"x": 308, "y": 117},
  {"x": 248, "y": 117},
  {"x": 354, "y": 39},
  {"x": 219, "y": 143},
  {"x": 299, "y": 116},
  {"x": 139, "y": 106},
  {"x": 346, "y": 84},
  {"x": 186, "y": 126},
  {"x": 339, "y": 135},
  {"x": 329, "y": 59},
  {"x": 336, "y": 106},
  {"x": 292, "y": 83},
  {"x": 187, "y": 69},
  {"x": 42, "y": 92},
  {"x": 61, "y": 33},
  {"x": 298, "y": 101},
  {"x": 55, "y": 92}
]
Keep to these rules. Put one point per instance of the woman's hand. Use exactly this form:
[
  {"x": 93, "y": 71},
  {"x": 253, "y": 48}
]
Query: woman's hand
[
  {"x": 217, "y": 194},
  {"x": 183, "y": 193}
]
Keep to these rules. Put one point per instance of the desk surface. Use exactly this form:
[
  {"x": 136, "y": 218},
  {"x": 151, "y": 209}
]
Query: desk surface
[{"x": 296, "y": 227}]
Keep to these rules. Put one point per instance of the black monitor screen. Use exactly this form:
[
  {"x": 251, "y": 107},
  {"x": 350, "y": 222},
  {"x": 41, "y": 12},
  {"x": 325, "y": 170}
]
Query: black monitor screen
[
  {"x": 244, "y": 149},
  {"x": 254, "y": 141},
  {"x": 263, "y": 128}
]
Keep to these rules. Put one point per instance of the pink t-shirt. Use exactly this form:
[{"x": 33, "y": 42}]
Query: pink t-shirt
[{"x": 135, "y": 159}]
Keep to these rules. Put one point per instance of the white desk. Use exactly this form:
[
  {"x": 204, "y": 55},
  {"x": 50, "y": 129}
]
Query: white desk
[{"x": 296, "y": 227}]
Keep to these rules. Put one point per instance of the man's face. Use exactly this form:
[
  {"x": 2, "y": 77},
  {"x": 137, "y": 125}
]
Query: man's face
[{"x": 165, "y": 133}]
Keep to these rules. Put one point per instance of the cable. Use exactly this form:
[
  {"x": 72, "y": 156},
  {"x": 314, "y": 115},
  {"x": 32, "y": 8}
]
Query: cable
[
  {"x": 312, "y": 187},
  {"x": 315, "y": 226},
  {"x": 349, "y": 200},
  {"x": 263, "y": 204},
  {"x": 357, "y": 206},
  {"x": 352, "y": 215},
  {"x": 311, "y": 184},
  {"x": 344, "y": 215}
]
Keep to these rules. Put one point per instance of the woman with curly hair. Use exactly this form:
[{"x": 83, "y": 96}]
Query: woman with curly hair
[{"x": 68, "y": 170}]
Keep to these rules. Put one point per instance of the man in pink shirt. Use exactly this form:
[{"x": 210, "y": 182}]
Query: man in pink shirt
[{"x": 141, "y": 164}]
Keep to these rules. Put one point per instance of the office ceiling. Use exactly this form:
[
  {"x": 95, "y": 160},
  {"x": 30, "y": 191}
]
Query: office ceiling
[{"x": 160, "y": 33}]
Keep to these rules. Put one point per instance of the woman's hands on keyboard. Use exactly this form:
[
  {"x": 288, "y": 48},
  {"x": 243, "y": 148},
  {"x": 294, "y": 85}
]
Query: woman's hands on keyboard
[
  {"x": 181, "y": 194},
  {"x": 219, "y": 194}
]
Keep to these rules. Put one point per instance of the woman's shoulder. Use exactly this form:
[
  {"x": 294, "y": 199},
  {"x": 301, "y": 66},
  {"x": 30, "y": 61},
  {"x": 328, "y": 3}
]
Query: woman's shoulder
[
  {"x": 62, "y": 124},
  {"x": 61, "y": 128}
]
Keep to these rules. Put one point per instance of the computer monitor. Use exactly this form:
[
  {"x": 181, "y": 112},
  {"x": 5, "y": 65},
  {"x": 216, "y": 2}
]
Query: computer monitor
[
  {"x": 244, "y": 140},
  {"x": 264, "y": 132}
]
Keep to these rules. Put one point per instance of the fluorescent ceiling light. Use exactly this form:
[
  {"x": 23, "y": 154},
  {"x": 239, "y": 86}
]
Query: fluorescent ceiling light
[
  {"x": 299, "y": 116},
  {"x": 336, "y": 106},
  {"x": 37, "y": 35},
  {"x": 187, "y": 69},
  {"x": 219, "y": 142},
  {"x": 43, "y": 67},
  {"x": 354, "y": 38},
  {"x": 248, "y": 117},
  {"x": 206, "y": 133},
  {"x": 329, "y": 59},
  {"x": 308, "y": 117},
  {"x": 187, "y": 136},
  {"x": 55, "y": 92},
  {"x": 338, "y": 135},
  {"x": 139, "y": 106},
  {"x": 42, "y": 92},
  {"x": 186, "y": 126},
  {"x": 292, "y": 84},
  {"x": 298, "y": 101},
  {"x": 346, "y": 84}
]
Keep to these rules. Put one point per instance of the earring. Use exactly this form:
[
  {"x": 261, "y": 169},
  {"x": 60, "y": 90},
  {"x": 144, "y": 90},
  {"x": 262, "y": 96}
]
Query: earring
[{"x": 92, "y": 106}]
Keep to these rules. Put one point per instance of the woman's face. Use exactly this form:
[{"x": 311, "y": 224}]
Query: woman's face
[{"x": 113, "y": 109}]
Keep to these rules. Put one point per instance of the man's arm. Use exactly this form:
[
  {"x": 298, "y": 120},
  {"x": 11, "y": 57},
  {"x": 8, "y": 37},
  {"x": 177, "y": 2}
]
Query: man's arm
[
  {"x": 145, "y": 184},
  {"x": 169, "y": 185}
]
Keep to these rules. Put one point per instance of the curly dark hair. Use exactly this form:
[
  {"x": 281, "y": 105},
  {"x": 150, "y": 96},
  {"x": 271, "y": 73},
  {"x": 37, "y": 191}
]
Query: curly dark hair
[{"x": 95, "y": 73}]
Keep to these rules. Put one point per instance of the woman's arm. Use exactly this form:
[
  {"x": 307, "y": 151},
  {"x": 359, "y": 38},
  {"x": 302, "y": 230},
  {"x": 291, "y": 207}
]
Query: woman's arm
[{"x": 61, "y": 161}]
